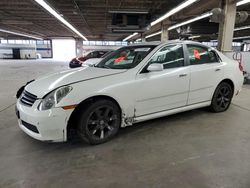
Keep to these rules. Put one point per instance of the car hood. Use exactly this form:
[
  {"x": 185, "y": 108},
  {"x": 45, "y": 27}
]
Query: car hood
[
  {"x": 93, "y": 61},
  {"x": 45, "y": 84}
]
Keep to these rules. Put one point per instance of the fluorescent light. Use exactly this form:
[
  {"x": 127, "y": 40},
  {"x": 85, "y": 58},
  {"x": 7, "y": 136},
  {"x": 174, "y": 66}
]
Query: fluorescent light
[
  {"x": 235, "y": 38},
  {"x": 242, "y": 28},
  {"x": 242, "y": 2},
  {"x": 20, "y": 34},
  {"x": 130, "y": 36},
  {"x": 154, "y": 34},
  {"x": 173, "y": 11},
  {"x": 204, "y": 16},
  {"x": 190, "y": 21},
  {"x": 194, "y": 37},
  {"x": 59, "y": 17}
]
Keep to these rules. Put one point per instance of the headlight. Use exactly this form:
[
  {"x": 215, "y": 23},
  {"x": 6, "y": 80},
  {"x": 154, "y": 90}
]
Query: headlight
[{"x": 54, "y": 98}]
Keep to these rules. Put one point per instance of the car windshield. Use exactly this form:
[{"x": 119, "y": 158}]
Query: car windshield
[{"x": 126, "y": 57}]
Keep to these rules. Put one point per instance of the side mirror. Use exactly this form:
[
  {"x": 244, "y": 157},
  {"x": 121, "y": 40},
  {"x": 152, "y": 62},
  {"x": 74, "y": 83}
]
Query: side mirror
[{"x": 155, "y": 67}]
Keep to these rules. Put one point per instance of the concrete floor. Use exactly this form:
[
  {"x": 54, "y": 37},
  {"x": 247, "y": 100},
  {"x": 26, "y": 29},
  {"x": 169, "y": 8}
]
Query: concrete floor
[{"x": 188, "y": 150}]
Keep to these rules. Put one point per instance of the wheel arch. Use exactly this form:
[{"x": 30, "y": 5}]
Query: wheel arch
[
  {"x": 230, "y": 82},
  {"x": 72, "y": 122}
]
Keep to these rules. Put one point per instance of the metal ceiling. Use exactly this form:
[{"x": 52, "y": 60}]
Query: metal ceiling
[{"x": 91, "y": 17}]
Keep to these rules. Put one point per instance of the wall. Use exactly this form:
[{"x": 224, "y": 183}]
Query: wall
[
  {"x": 26, "y": 51},
  {"x": 64, "y": 49},
  {"x": 245, "y": 59},
  {"x": 44, "y": 49}
]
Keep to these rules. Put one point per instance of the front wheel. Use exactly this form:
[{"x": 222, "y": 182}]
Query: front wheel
[
  {"x": 222, "y": 97},
  {"x": 99, "y": 122}
]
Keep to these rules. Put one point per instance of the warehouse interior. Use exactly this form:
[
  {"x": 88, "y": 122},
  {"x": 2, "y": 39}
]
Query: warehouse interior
[{"x": 191, "y": 149}]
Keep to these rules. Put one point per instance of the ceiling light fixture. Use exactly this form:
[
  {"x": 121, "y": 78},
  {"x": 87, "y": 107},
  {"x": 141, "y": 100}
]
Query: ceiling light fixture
[
  {"x": 182, "y": 6},
  {"x": 194, "y": 37},
  {"x": 242, "y": 28},
  {"x": 203, "y": 16},
  {"x": 243, "y": 2},
  {"x": 20, "y": 34},
  {"x": 59, "y": 17},
  {"x": 129, "y": 37},
  {"x": 153, "y": 34},
  {"x": 173, "y": 11},
  {"x": 206, "y": 15},
  {"x": 235, "y": 38}
]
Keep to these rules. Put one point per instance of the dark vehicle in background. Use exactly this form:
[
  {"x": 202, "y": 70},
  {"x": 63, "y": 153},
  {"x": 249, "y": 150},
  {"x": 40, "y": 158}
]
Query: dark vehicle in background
[{"x": 79, "y": 61}]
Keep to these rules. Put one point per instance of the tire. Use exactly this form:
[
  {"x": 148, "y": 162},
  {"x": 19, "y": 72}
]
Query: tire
[
  {"x": 99, "y": 122},
  {"x": 222, "y": 97}
]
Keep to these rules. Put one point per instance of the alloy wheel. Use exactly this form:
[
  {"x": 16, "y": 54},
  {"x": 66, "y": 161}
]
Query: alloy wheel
[
  {"x": 223, "y": 97},
  {"x": 102, "y": 122}
]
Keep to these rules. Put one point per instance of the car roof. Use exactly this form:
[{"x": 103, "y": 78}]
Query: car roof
[{"x": 158, "y": 43}]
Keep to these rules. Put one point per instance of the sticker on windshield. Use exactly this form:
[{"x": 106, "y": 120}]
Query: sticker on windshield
[{"x": 119, "y": 59}]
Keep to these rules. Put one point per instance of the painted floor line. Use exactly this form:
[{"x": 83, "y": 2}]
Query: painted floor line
[
  {"x": 7, "y": 107},
  {"x": 243, "y": 108}
]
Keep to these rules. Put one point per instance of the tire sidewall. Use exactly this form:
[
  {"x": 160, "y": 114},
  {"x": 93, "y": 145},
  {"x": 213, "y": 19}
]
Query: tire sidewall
[
  {"x": 214, "y": 107},
  {"x": 82, "y": 129}
]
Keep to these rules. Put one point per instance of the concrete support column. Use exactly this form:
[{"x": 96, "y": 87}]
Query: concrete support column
[
  {"x": 79, "y": 47},
  {"x": 226, "y": 28},
  {"x": 164, "y": 34},
  {"x": 143, "y": 39}
]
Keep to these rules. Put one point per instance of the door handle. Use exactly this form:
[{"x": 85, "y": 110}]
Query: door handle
[
  {"x": 182, "y": 75},
  {"x": 216, "y": 70}
]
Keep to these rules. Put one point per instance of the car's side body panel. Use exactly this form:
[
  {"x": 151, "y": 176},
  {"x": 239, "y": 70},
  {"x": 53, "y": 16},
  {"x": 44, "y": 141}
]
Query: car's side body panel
[
  {"x": 159, "y": 91},
  {"x": 203, "y": 81},
  {"x": 232, "y": 72}
]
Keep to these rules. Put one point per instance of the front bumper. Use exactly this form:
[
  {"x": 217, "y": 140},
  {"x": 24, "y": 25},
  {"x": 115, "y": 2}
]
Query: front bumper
[{"x": 48, "y": 125}]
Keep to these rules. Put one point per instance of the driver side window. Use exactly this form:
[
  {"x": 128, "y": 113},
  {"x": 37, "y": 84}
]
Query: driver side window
[{"x": 170, "y": 56}]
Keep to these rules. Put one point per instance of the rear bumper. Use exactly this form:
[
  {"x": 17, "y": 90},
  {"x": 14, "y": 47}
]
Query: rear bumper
[
  {"x": 49, "y": 125},
  {"x": 238, "y": 85}
]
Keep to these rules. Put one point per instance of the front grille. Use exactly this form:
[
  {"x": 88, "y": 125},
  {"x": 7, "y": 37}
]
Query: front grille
[
  {"x": 30, "y": 127},
  {"x": 28, "y": 98}
]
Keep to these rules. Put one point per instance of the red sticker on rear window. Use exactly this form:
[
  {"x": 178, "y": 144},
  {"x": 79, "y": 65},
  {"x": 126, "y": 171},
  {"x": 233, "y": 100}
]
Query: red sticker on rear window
[{"x": 197, "y": 54}]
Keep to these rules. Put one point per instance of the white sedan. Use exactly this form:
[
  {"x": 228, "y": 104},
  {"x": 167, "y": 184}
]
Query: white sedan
[{"x": 131, "y": 85}]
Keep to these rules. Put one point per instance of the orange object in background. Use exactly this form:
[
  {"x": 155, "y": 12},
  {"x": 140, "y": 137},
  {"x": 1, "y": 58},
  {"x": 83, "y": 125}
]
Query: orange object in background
[
  {"x": 123, "y": 55},
  {"x": 119, "y": 59},
  {"x": 197, "y": 54}
]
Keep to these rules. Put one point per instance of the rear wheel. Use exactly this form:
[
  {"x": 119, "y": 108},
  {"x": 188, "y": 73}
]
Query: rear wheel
[
  {"x": 222, "y": 97},
  {"x": 99, "y": 122}
]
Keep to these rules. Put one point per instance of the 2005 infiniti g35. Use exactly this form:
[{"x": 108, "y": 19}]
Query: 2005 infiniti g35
[{"x": 132, "y": 84}]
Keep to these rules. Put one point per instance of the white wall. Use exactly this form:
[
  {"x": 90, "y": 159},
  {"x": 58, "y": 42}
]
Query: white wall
[
  {"x": 28, "y": 54},
  {"x": 245, "y": 59},
  {"x": 26, "y": 50},
  {"x": 64, "y": 49},
  {"x": 45, "y": 50}
]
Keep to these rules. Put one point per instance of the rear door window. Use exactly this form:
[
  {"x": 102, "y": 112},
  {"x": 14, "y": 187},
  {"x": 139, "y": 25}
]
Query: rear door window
[{"x": 201, "y": 55}]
